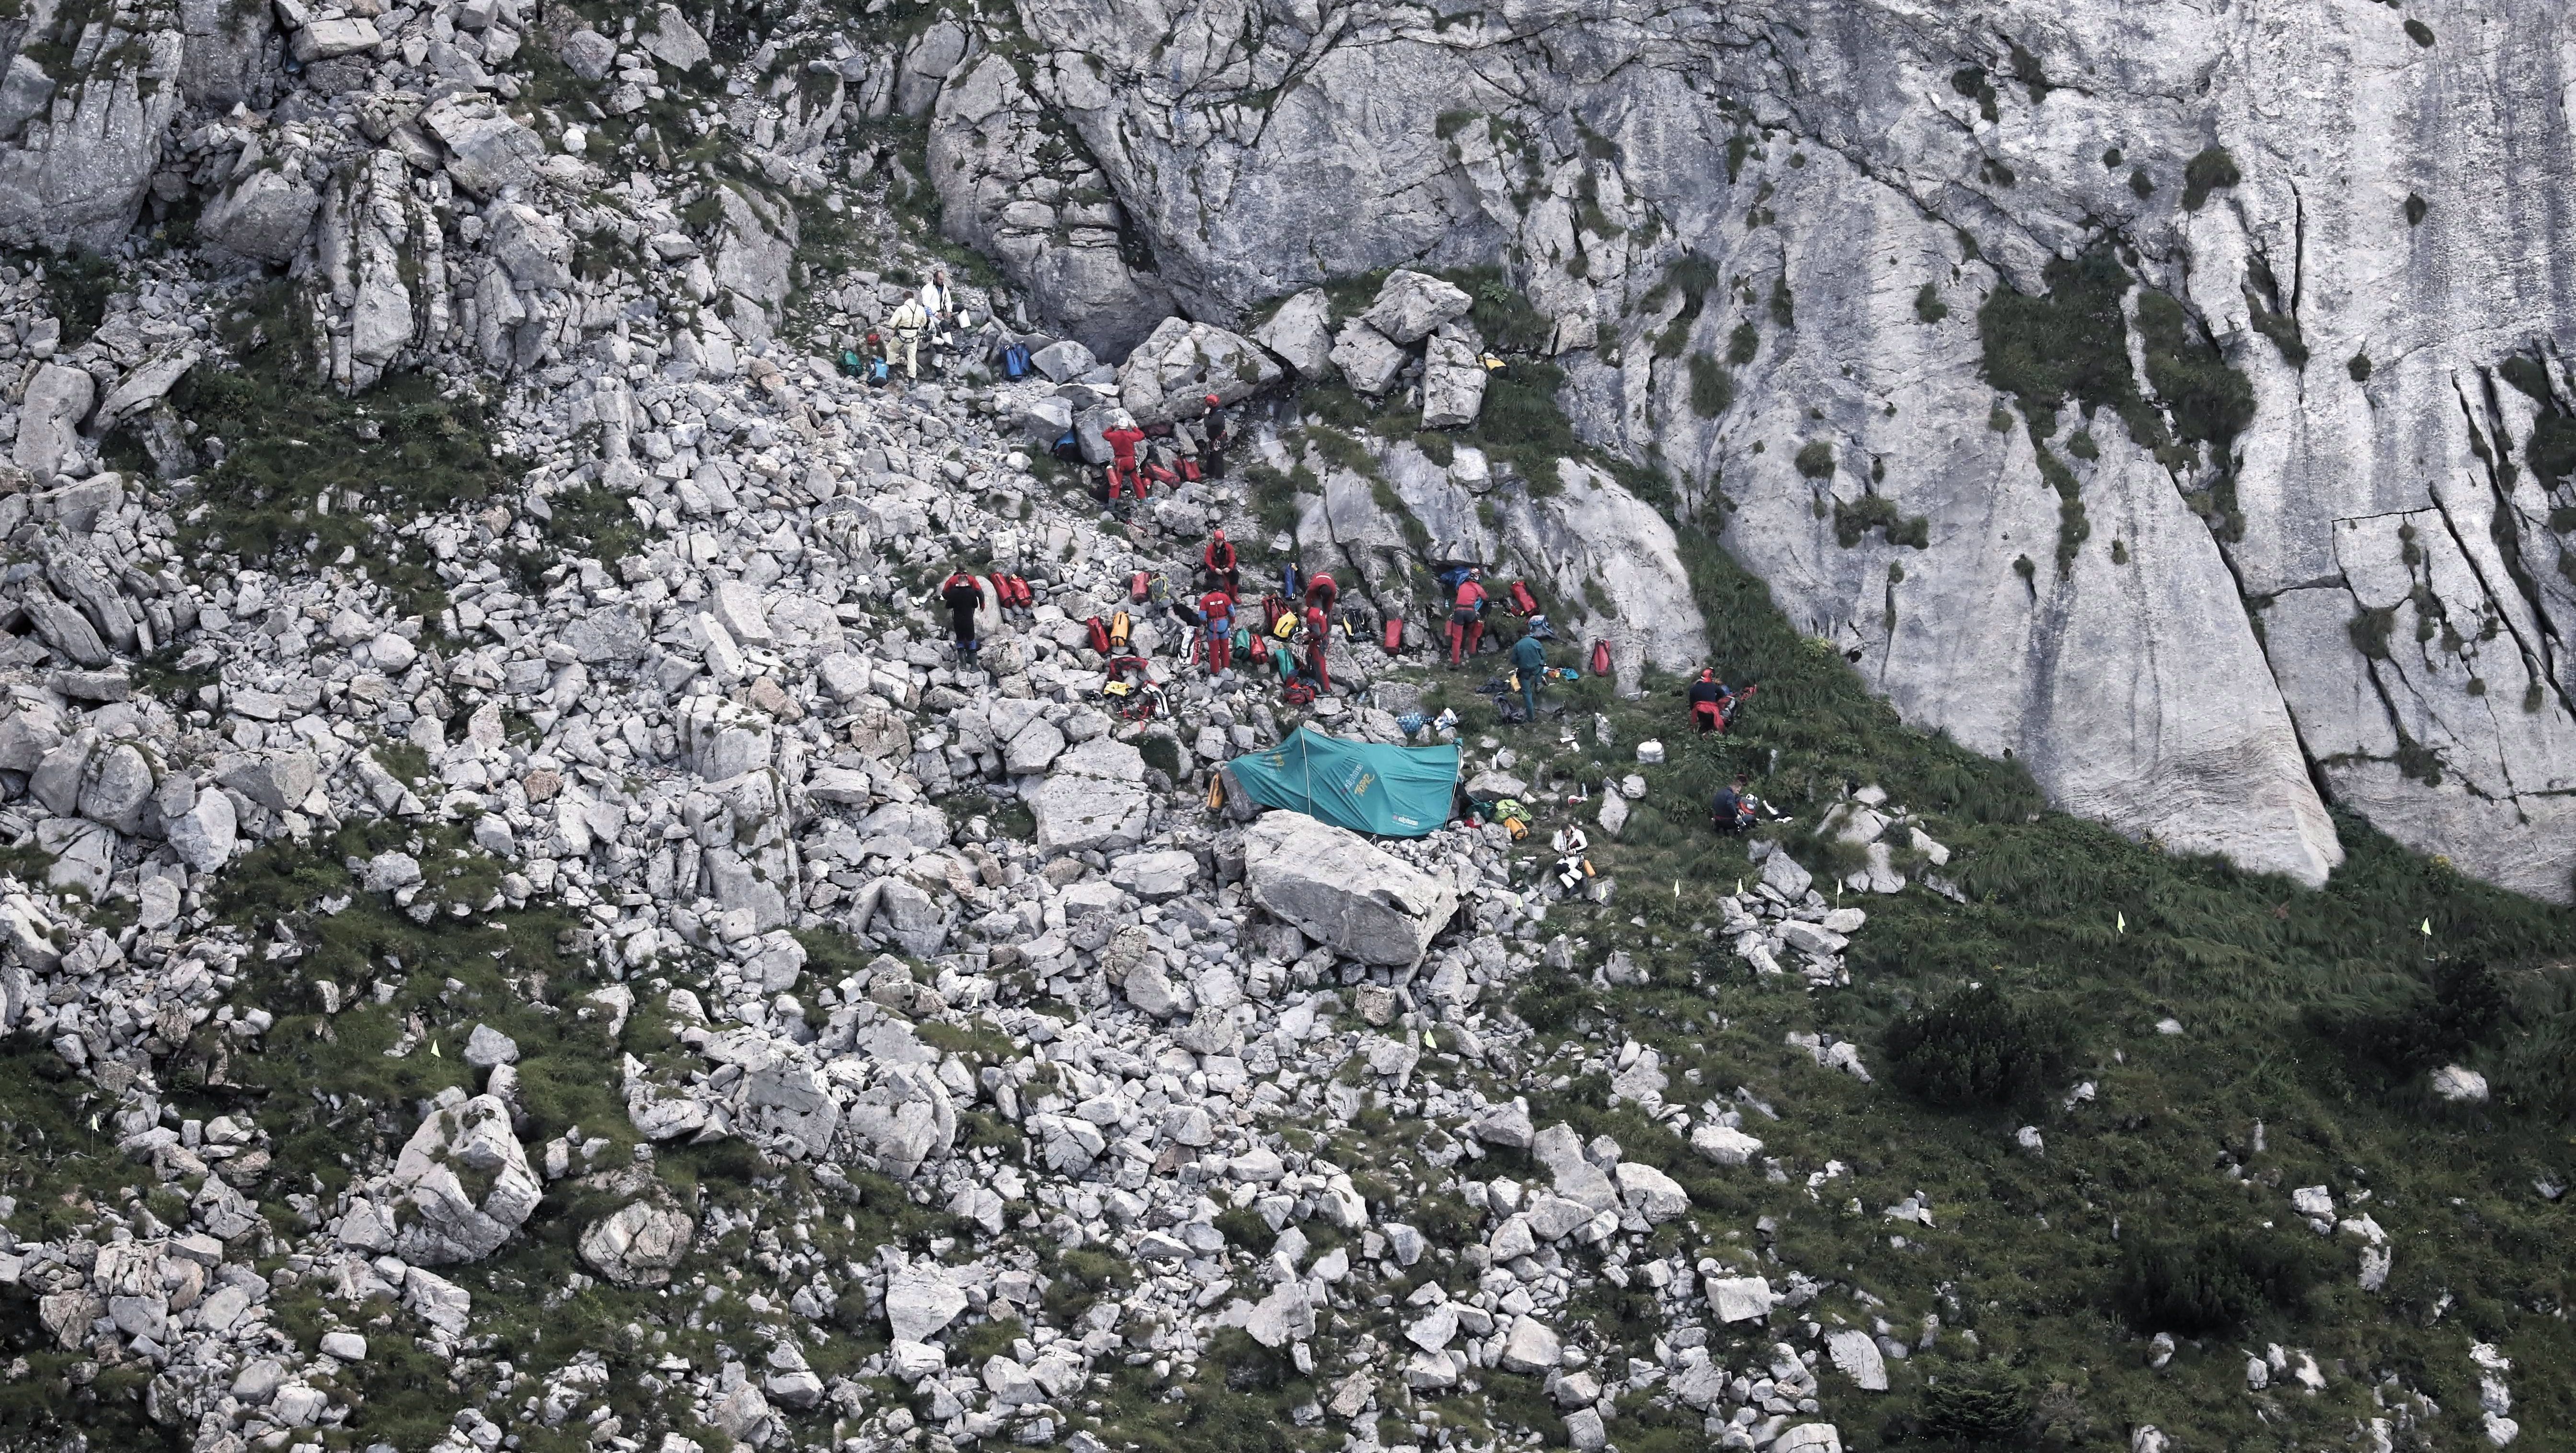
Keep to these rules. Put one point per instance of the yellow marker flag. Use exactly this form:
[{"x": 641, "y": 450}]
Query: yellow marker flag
[
  {"x": 2123, "y": 925},
  {"x": 2428, "y": 928},
  {"x": 433, "y": 1050}
]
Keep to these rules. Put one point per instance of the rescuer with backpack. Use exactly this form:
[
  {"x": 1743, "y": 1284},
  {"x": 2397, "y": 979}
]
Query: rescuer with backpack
[
  {"x": 1466, "y": 619},
  {"x": 1216, "y": 616},
  {"x": 963, "y": 597}
]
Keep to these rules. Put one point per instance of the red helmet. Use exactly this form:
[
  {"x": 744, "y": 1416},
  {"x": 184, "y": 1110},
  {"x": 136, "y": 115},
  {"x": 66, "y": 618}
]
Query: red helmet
[{"x": 1212, "y": 401}]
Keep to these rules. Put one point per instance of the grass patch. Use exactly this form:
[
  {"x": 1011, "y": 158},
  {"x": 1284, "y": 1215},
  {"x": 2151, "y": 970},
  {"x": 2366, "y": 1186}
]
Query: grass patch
[{"x": 401, "y": 451}]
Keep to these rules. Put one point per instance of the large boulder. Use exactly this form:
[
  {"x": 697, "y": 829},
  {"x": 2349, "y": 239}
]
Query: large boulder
[
  {"x": 1368, "y": 359},
  {"x": 1453, "y": 379},
  {"x": 461, "y": 1185},
  {"x": 487, "y": 151},
  {"x": 58, "y": 398},
  {"x": 264, "y": 217},
  {"x": 76, "y": 174},
  {"x": 1301, "y": 333},
  {"x": 1077, "y": 814},
  {"x": 920, "y": 1299},
  {"x": 637, "y": 1244},
  {"x": 1340, "y": 889},
  {"x": 673, "y": 40},
  {"x": 1171, "y": 374},
  {"x": 1411, "y": 304}
]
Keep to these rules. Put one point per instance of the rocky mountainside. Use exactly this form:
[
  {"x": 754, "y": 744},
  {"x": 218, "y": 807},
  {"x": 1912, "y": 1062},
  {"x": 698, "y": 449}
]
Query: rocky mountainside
[
  {"x": 1819, "y": 261},
  {"x": 521, "y": 926}
]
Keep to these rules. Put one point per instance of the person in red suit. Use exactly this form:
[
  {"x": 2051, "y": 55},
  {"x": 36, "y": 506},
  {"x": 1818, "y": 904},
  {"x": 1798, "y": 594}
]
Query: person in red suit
[
  {"x": 1122, "y": 439},
  {"x": 1222, "y": 564},
  {"x": 1216, "y": 616},
  {"x": 1466, "y": 619}
]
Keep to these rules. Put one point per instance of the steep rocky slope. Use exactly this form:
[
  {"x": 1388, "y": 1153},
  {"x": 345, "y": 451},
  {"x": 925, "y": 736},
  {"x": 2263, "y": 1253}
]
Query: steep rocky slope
[
  {"x": 518, "y": 929},
  {"x": 2361, "y": 401}
]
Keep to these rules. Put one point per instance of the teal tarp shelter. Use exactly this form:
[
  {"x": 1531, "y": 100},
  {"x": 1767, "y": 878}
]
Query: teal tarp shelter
[{"x": 1386, "y": 791}]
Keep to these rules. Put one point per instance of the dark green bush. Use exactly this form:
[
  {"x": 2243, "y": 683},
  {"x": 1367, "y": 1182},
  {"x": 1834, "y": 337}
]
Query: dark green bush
[
  {"x": 1878, "y": 512},
  {"x": 2423, "y": 1026},
  {"x": 1974, "y": 1410},
  {"x": 1712, "y": 388},
  {"x": 1976, "y": 1048},
  {"x": 2206, "y": 173},
  {"x": 2211, "y": 1283}
]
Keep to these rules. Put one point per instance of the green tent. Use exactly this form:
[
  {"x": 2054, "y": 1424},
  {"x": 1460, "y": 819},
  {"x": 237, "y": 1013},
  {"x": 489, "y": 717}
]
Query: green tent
[{"x": 1386, "y": 791}]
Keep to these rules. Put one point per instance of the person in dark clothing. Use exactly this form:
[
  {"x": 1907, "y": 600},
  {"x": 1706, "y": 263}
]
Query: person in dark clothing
[
  {"x": 1529, "y": 662},
  {"x": 1710, "y": 702},
  {"x": 961, "y": 595},
  {"x": 1735, "y": 809},
  {"x": 1218, "y": 431},
  {"x": 1220, "y": 561}
]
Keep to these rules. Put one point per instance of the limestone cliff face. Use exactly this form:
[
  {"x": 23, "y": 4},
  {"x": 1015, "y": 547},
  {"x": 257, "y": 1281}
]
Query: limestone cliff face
[{"x": 1767, "y": 232}]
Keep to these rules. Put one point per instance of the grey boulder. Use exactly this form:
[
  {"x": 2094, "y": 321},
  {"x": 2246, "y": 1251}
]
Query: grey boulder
[
  {"x": 462, "y": 1185},
  {"x": 1301, "y": 333},
  {"x": 265, "y": 216},
  {"x": 1369, "y": 361},
  {"x": 1340, "y": 889},
  {"x": 1411, "y": 304},
  {"x": 637, "y": 1244}
]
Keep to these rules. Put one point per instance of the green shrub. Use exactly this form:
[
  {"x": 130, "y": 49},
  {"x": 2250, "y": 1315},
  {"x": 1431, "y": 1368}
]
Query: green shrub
[
  {"x": 2206, "y": 173},
  {"x": 2422, "y": 1026},
  {"x": 2552, "y": 450},
  {"x": 2066, "y": 345},
  {"x": 1712, "y": 388},
  {"x": 2359, "y": 368},
  {"x": 1816, "y": 459},
  {"x": 1878, "y": 512},
  {"x": 1973, "y": 1409},
  {"x": 1976, "y": 1048},
  {"x": 1928, "y": 305},
  {"x": 2211, "y": 403},
  {"x": 2212, "y": 1283}
]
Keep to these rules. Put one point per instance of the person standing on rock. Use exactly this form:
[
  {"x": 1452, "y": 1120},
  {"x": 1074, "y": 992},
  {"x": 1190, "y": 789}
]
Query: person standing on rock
[
  {"x": 1216, "y": 617},
  {"x": 1122, "y": 436},
  {"x": 1319, "y": 634},
  {"x": 939, "y": 311},
  {"x": 963, "y": 597},
  {"x": 1214, "y": 426},
  {"x": 1466, "y": 619},
  {"x": 1529, "y": 662},
  {"x": 1221, "y": 562},
  {"x": 909, "y": 323}
]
